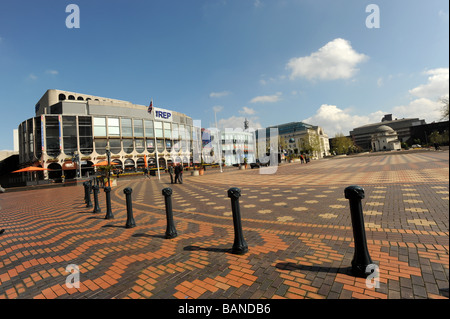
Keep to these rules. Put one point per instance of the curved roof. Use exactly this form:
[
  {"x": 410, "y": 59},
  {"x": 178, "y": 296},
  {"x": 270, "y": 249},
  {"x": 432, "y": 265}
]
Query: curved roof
[{"x": 384, "y": 128}]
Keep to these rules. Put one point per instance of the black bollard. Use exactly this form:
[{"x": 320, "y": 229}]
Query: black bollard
[
  {"x": 171, "y": 231},
  {"x": 240, "y": 246},
  {"x": 109, "y": 214},
  {"x": 130, "y": 220},
  {"x": 361, "y": 257},
  {"x": 90, "y": 186},
  {"x": 96, "y": 205},
  {"x": 88, "y": 195}
]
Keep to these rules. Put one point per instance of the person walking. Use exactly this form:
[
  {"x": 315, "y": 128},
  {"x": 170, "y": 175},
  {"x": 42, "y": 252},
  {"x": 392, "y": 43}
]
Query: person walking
[
  {"x": 170, "y": 169},
  {"x": 178, "y": 174},
  {"x": 301, "y": 159}
]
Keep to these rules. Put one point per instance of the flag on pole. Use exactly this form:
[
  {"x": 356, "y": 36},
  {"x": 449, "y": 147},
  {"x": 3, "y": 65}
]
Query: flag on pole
[
  {"x": 150, "y": 107},
  {"x": 145, "y": 160}
]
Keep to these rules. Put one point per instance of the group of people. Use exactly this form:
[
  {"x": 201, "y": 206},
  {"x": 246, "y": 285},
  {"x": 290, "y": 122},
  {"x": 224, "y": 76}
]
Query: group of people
[
  {"x": 304, "y": 159},
  {"x": 177, "y": 171}
]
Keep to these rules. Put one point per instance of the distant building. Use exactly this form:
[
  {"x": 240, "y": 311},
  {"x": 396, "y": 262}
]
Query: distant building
[
  {"x": 385, "y": 139},
  {"x": 362, "y": 136},
  {"x": 299, "y": 138},
  {"x": 71, "y": 125}
]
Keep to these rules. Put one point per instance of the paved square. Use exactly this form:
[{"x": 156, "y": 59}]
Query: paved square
[{"x": 296, "y": 223}]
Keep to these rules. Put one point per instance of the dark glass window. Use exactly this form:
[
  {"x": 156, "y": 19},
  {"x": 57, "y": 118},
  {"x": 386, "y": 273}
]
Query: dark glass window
[
  {"x": 85, "y": 133},
  {"x": 69, "y": 134},
  {"x": 52, "y": 135}
]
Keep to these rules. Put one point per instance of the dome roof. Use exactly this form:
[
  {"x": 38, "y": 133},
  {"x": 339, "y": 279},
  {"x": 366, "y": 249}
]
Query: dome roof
[{"x": 384, "y": 128}]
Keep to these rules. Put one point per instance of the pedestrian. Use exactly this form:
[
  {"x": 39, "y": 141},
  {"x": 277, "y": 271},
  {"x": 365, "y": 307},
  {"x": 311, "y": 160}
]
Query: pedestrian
[
  {"x": 178, "y": 174},
  {"x": 301, "y": 159},
  {"x": 170, "y": 169}
]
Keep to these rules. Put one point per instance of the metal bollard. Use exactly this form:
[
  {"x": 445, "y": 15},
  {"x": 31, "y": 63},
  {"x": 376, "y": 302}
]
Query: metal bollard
[
  {"x": 171, "y": 231},
  {"x": 361, "y": 257},
  {"x": 96, "y": 205},
  {"x": 130, "y": 219},
  {"x": 109, "y": 214},
  {"x": 240, "y": 246},
  {"x": 86, "y": 194},
  {"x": 90, "y": 186}
]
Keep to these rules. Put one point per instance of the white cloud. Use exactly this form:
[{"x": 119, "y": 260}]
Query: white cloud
[
  {"x": 425, "y": 104},
  {"x": 266, "y": 98},
  {"x": 32, "y": 77},
  {"x": 335, "y": 120},
  {"x": 235, "y": 122},
  {"x": 335, "y": 60},
  {"x": 247, "y": 110},
  {"x": 217, "y": 108},
  {"x": 219, "y": 94},
  {"x": 52, "y": 72},
  {"x": 436, "y": 87}
]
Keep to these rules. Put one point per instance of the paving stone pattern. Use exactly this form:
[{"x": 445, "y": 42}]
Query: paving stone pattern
[{"x": 296, "y": 223}]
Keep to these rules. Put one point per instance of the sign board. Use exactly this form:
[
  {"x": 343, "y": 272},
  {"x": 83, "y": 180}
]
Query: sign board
[{"x": 162, "y": 114}]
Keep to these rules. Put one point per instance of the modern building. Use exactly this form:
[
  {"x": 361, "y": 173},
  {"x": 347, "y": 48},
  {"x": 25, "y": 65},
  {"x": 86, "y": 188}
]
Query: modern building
[
  {"x": 235, "y": 145},
  {"x": 300, "y": 138},
  {"x": 72, "y": 131},
  {"x": 362, "y": 136},
  {"x": 385, "y": 139}
]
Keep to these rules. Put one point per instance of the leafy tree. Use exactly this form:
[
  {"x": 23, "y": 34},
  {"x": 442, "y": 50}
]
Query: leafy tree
[{"x": 342, "y": 144}]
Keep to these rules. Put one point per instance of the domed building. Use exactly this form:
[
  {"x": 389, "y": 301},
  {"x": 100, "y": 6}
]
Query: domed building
[{"x": 385, "y": 139}]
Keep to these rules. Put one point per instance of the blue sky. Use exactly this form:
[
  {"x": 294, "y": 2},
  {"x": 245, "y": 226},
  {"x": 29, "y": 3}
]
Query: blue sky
[{"x": 271, "y": 61}]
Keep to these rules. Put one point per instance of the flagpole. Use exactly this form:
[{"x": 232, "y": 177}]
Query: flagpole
[
  {"x": 157, "y": 156},
  {"x": 219, "y": 144}
]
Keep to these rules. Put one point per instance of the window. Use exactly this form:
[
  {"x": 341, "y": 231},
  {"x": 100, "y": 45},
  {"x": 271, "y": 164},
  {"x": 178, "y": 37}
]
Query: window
[
  {"x": 69, "y": 134},
  {"x": 158, "y": 129},
  {"x": 126, "y": 128},
  {"x": 138, "y": 128},
  {"x": 139, "y": 145},
  {"x": 167, "y": 130},
  {"x": 85, "y": 134},
  {"x": 99, "y": 126},
  {"x": 61, "y": 97},
  {"x": 113, "y": 127},
  {"x": 127, "y": 145},
  {"x": 100, "y": 145},
  {"x": 150, "y": 146},
  {"x": 115, "y": 146},
  {"x": 52, "y": 135},
  {"x": 149, "y": 128},
  {"x": 175, "y": 134},
  {"x": 38, "y": 136}
]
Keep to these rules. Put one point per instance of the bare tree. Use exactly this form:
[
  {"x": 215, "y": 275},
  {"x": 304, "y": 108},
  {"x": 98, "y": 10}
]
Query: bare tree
[{"x": 444, "y": 110}]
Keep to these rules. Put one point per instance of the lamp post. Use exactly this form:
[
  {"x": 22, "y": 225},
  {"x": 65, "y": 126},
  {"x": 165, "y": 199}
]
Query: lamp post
[{"x": 108, "y": 154}]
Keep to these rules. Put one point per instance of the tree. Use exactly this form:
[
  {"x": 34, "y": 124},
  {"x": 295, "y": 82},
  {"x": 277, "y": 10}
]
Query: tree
[
  {"x": 444, "y": 101},
  {"x": 342, "y": 144}
]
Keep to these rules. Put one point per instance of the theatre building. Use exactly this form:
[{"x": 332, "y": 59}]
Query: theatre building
[{"x": 71, "y": 132}]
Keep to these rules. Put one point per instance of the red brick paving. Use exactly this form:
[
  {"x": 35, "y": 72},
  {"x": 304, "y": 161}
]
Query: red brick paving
[{"x": 296, "y": 223}]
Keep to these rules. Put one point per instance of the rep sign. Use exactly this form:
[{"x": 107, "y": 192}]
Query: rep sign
[{"x": 162, "y": 114}]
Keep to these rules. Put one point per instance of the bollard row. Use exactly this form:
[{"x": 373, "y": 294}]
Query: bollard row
[{"x": 361, "y": 258}]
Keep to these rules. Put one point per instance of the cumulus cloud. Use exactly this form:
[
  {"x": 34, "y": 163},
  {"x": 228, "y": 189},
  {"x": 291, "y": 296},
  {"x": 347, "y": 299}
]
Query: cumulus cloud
[
  {"x": 335, "y": 60},
  {"x": 247, "y": 110},
  {"x": 235, "y": 122},
  {"x": 334, "y": 120},
  {"x": 425, "y": 103},
  {"x": 266, "y": 98},
  {"x": 219, "y": 94},
  {"x": 437, "y": 84}
]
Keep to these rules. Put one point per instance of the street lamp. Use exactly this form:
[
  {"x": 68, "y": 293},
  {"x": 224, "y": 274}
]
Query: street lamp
[{"x": 108, "y": 154}]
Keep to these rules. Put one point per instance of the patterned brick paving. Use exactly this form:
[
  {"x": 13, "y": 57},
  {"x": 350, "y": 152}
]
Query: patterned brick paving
[{"x": 296, "y": 223}]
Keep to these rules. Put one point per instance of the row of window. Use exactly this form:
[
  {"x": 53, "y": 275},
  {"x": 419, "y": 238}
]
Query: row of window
[{"x": 126, "y": 127}]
